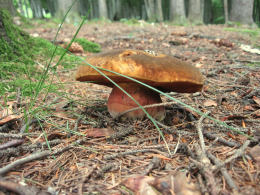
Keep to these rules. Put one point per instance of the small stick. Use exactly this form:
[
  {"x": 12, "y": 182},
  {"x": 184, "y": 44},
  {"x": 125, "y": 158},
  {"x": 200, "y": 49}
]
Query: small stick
[
  {"x": 86, "y": 177},
  {"x": 221, "y": 140},
  {"x": 154, "y": 163},
  {"x": 31, "y": 147},
  {"x": 11, "y": 143},
  {"x": 239, "y": 152},
  {"x": 8, "y": 135},
  {"x": 105, "y": 169},
  {"x": 199, "y": 129},
  {"x": 224, "y": 172},
  {"x": 31, "y": 157},
  {"x": 130, "y": 152}
]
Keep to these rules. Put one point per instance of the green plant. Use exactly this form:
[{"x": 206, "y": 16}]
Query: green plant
[{"x": 88, "y": 45}]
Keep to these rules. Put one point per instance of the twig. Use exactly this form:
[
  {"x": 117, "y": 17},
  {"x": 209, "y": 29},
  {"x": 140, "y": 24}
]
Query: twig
[
  {"x": 85, "y": 178},
  {"x": 203, "y": 162},
  {"x": 31, "y": 147},
  {"x": 8, "y": 135},
  {"x": 130, "y": 152},
  {"x": 239, "y": 152},
  {"x": 20, "y": 189},
  {"x": 121, "y": 133},
  {"x": 11, "y": 143},
  {"x": 177, "y": 146},
  {"x": 31, "y": 157},
  {"x": 154, "y": 163},
  {"x": 199, "y": 129},
  {"x": 221, "y": 140},
  {"x": 105, "y": 169},
  {"x": 224, "y": 172}
]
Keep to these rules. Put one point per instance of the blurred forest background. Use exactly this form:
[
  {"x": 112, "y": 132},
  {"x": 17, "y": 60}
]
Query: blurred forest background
[{"x": 176, "y": 11}]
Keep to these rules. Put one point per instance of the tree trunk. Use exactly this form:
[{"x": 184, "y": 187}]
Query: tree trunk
[
  {"x": 226, "y": 11},
  {"x": 177, "y": 11},
  {"x": 242, "y": 11},
  {"x": 207, "y": 16},
  {"x": 196, "y": 9},
  {"x": 102, "y": 9},
  {"x": 62, "y": 8},
  {"x": 36, "y": 8},
  {"x": 154, "y": 10},
  {"x": 158, "y": 10},
  {"x": 51, "y": 5},
  {"x": 13, "y": 41},
  {"x": 20, "y": 5},
  {"x": 8, "y": 4}
]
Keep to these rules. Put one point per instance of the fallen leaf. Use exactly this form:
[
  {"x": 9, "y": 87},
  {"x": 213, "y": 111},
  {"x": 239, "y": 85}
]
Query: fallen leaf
[
  {"x": 179, "y": 33},
  {"x": 177, "y": 184},
  {"x": 140, "y": 185},
  {"x": 208, "y": 103},
  {"x": 10, "y": 118},
  {"x": 99, "y": 132}
]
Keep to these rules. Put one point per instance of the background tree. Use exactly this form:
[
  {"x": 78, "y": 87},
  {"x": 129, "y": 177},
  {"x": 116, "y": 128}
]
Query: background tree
[
  {"x": 102, "y": 9},
  {"x": 154, "y": 10},
  {"x": 196, "y": 10},
  {"x": 36, "y": 6},
  {"x": 7, "y": 4},
  {"x": 242, "y": 11},
  {"x": 177, "y": 11},
  {"x": 62, "y": 7}
]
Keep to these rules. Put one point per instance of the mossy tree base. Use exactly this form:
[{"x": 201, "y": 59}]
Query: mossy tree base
[{"x": 14, "y": 43}]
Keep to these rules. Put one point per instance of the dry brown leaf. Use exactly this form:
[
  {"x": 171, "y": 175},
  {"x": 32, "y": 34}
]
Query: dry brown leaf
[
  {"x": 99, "y": 132},
  {"x": 177, "y": 184},
  {"x": 10, "y": 118},
  {"x": 140, "y": 185},
  {"x": 179, "y": 33},
  {"x": 208, "y": 103},
  {"x": 74, "y": 48}
]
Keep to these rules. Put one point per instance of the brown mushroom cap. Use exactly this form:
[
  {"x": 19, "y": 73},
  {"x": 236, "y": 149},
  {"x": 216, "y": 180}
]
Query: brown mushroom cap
[{"x": 158, "y": 70}]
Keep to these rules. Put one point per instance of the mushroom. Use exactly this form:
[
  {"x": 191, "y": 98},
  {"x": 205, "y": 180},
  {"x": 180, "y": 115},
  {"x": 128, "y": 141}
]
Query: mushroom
[{"x": 163, "y": 72}]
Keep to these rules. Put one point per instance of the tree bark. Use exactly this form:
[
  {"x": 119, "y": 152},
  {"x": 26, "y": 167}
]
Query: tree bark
[
  {"x": 196, "y": 9},
  {"x": 177, "y": 11},
  {"x": 102, "y": 8},
  {"x": 226, "y": 11},
  {"x": 62, "y": 8},
  {"x": 242, "y": 11},
  {"x": 158, "y": 10},
  {"x": 36, "y": 8},
  {"x": 154, "y": 10},
  {"x": 8, "y": 4}
]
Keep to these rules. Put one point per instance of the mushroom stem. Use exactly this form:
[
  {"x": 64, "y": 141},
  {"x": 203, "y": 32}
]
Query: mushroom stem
[{"x": 119, "y": 102}]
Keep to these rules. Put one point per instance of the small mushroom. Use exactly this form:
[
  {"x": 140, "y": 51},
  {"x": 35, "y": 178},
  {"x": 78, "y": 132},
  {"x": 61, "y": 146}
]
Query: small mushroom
[{"x": 163, "y": 72}]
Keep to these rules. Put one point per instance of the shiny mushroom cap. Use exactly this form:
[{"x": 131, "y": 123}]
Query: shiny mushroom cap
[{"x": 164, "y": 72}]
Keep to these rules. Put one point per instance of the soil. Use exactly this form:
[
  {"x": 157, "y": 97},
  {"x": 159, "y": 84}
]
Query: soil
[{"x": 102, "y": 153}]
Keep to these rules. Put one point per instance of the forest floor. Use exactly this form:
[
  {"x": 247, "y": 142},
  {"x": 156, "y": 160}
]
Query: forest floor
[{"x": 93, "y": 154}]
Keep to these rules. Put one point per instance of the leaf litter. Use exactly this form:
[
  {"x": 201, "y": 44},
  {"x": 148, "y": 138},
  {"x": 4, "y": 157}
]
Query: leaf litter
[{"x": 77, "y": 148}]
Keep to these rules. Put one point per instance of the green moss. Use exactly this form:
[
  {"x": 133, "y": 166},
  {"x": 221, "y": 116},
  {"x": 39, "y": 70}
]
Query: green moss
[
  {"x": 88, "y": 45},
  {"x": 15, "y": 46},
  {"x": 251, "y": 32},
  {"x": 17, "y": 66}
]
